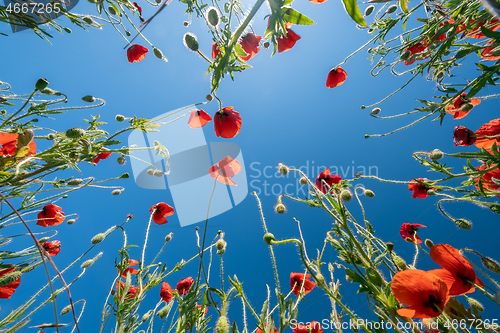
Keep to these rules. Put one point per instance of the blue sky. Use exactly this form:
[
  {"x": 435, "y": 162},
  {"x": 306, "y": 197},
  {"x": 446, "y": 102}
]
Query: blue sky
[{"x": 289, "y": 116}]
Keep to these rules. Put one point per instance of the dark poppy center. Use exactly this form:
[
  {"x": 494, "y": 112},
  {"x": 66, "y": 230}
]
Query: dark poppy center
[{"x": 430, "y": 302}]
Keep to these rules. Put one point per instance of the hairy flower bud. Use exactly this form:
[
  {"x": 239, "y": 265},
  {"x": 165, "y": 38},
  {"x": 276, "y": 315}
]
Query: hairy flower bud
[
  {"x": 43, "y": 239},
  {"x": 209, "y": 98},
  {"x": 266, "y": 45},
  {"x": 213, "y": 16},
  {"x": 374, "y": 276},
  {"x": 303, "y": 181},
  {"x": 119, "y": 118},
  {"x": 116, "y": 192},
  {"x": 467, "y": 107},
  {"x": 390, "y": 246},
  {"x": 463, "y": 224},
  {"x": 474, "y": 304},
  {"x": 391, "y": 9},
  {"x": 169, "y": 237},
  {"x": 375, "y": 111},
  {"x": 222, "y": 325},
  {"x": 369, "y": 10},
  {"x": 369, "y": 193},
  {"x": 75, "y": 182},
  {"x": 121, "y": 160},
  {"x": 41, "y": 84},
  {"x": 89, "y": 262},
  {"x": 150, "y": 172},
  {"x": 283, "y": 169},
  {"x": 221, "y": 246},
  {"x": 66, "y": 310},
  {"x": 75, "y": 133},
  {"x": 158, "y": 173},
  {"x": 9, "y": 278},
  {"x": 436, "y": 154},
  {"x": 491, "y": 264},
  {"x": 88, "y": 99},
  {"x": 145, "y": 317},
  {"x": 71, "y": 221},
  {"x": 51, "y": 136},
  {"x": 269, "y": 238},
  {"x": 400, "y": 263},
  {"x": 163, "y": 312},
  {"x": 428, "y": 243},
  {"x": 191, "y": 41},
  {"x": 98, "y": 238},
  {"x": 280, "y": 208},
  {"x": 346, "y": 195}
]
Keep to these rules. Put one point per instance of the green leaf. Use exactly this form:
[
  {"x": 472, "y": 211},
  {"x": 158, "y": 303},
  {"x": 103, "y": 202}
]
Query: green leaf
[
  {"x": 404, "y": 6},
  {"x": 293, "y": 16},
  {"x": 351, "y": 7},
  {"x": 239, "y": 50},
  {"x": 489, "y": 33}
]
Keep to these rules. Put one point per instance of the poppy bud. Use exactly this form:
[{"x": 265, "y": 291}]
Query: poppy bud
[
  {"x": 265, "y": 45},
  {"x": 491, "y": 264},
  {"x": 41, "y": 84},
  {"x": 213, "y": 17},
  {"x": 431, "y": 192},
  {"x": 280, "y": 208},
  {"x": 439, "y": 75},
  {"x": 111, "y": 10},
  {"x": 88, "y": 20},
  {"x": 375, "y": 111},
  {"x": 163, "y": 312},
  {"x": 145, "y": 317},
  {"x": 335, "y": 243},
  {"x": 121, "y": 160},
  {"x": 75, "y": 181},
  {"x": 66, "y": 310},
  {"x": 191, "y": 42},
  {"x": 367, "y": 136},
  {"x": 25, "y": 138},
  {"x": 436, "y": 154},
  {"x": 48, "y": 91},
  {"x": 474, "y": 304},
  {"x": 428, "y": 243},
  {"x": 283, "y": 169},
  {"x": 68, "y": 30},
  {"x": 221, "y": 246},
  {"x": 116, "y": 192},
  {"x": 71, "y": 221},
  {"x": 369, "y": 10},
  {"x": 346, "y": 195},
  {"x": 369, "y": 193},
  {"x": 467, "y": 107},
  {"x": 303, "y": 181},
  {"x": 51, "y": 136},
  {"x": 400, "y": 263},
  {"x": 390, "y": 246},
  {"x": 269, "y": 238},
  {"x": 119, "y": 118},
  {"x": 43, "y": 240},
  {"x": 75, "y": 133},
  {"x": 186, "y": 23},
  {"x": 89, "y": 262},
  {"x": 391, "y": 9},
  {"x": 495, "y": 209},
  {"x": 126, "y": 175},
  {"x": 405, "y": 55},
  {"x": 321, "y": 279},
  {"x": 88, "y": 99},
  {"x": 9, "y": 278},
  {"x": 169, "y": 237},
  {"x": 463, "y": 224},
  {"x": 158, "y": 54},
  {"x": 98, "y": 238},
  {"x": 209, "y": 98},
  {"x": 222, "y": 325},
  {"x": 158, "y": 173},
  {"x": 374, "y": 276},
  {"x": 150, "y": 172}
]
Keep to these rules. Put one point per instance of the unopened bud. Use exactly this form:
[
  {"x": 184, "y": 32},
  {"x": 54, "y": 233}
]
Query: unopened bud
[
  {"x": 121, "y": 160},
  {"x": 346, "y": 195},
  {"x": 158, "y": 53},
  {"x": 75, "y": 181},
  {"x": 98, "y": 238},
  {"x": 169, "y": 237},
  {"x": 391, "y": 9},
  {"x": 9, "y": 278},
  {"x": 405, "y": 55},
  {"x": 191, "y": 42},
  {"x": 467, "y": 107},
  {"x": 89, "y": 262},
  {"x": 283, "y": 169},
  {"x": 221, "y": 245},
  {"x": 150, "y": 172},
  {"x": 66, "y": 310},
  {"x": 163, "y": 312},
  {"x": 116, "y": 192},
  {"x": 145, "y": 317},
  {"x": 209, "y": 98},
  {"x": 280, "y": 208},
  {"x": 222, "y": 325},
  {"x": 75, "y": 133},
  {"x": 400, "y": 263},
  {"x": 374, "y": 276},
  {"x": 463, "y": 224},
  {"x": 213, "y": 17},
  {"x": 369, "y": 10},
  {"x": 375, "y": 111},
  {"x": 88, "y": 99},
  {"x": 266, "y": 45},
  {"x": 474, "y": 304},
  {"x": 303, "y": 181},
  {"x": 436, "y": 154},
  {"x": 88, "y": 20},
  {"x": 369, "y": 193},
  {"x": 491, "y": 264},
  {"x": 111, "y": 10},
  {"x": 158, "y": 173},
  {"x": 51, "y": 136},
  {"x": 41, "y": 84},
  {"x": 119, "y": 118},
  {"x": 186, "y": 23},
  {"x": 431, "y": 192},
  {"x": 269, "y": 238},
  {"x": 428, "y": 243},
  {"x": 321, "y": 279},
  {"x": 48, "y": 91},
  {"x": 390, "y": 246},
  {"x": 43, "y": 239},
  {"x": 71, "y": 221},
  {"x": 25, "y": 138}
]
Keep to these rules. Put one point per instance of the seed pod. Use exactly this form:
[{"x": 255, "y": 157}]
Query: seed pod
[
  {"x": 390, "y": 246},
  {"x": 41, "y": 84}
]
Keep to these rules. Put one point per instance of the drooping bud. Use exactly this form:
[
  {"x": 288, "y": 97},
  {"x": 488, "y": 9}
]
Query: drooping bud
[
  {"x": 428, "y": 243},
  {"x": 463, "y": 224},
  {"x": 41, "y": 84},
  {"x": 121, "y": 160},
  {"x": 43, "y": 239},
  {"x": 75, "y": 182},
  {"x": 191, "y": 42},
  {"x": 375, "y": 111},
  {"x": 88, "y": 99},
  {"x": 48, "y": 91},
  {"x": 119, "y": 118},
  {"x": 374, "y": 276},
  {"x": 390, "y": 246},
  {"x": 169, "y": 237},
  {"x": 158, "y": 173},
  {"x": 145, "y": 317},
  {"x": 186, "y": 23},
  {"x": 71, "y": 221},
  {"x": 66, "y": 310},
  {"x": 369, "y": 10},
  {"x": 266, "y": 45},
  {"x": 209, "y": 98},
  {"x": 150, "y": 172},
  {"x": 269, "y": 238},
  {"x": 474, "y": 304},
  {"x": 283, "y": 169},
  {"x": 346, "y": 195},
  {"x": 467, "y": 107},
  {"x": 116, "y": 192},
  {"x": 436, "y": 154},
  {"x": 491, "y": 264},
  {"x": 221, "y": 246},
  {"x": 213, "y": 16},
  {"x": 222, "y": 325},
  {"x": 159, "y": 54},
  {"x": 391, "y": 9},
  {"x": 431, "y": 192},
  {"x": 163, "y": 312},
  {"x": 280, "y": 208},
  {"x": 400, "y": 263},
  {"x": 89, "y": 262},
  {"x": 495, "y": 209},
  {"x": 98, "y": 238},
  {"x": 75, "y": 133},
  {"x": 369, "y": 193},
  {"x": 303, "y": 181},
  {"x": 87, "y": 19},
  {"x": 51, "y": 136}
]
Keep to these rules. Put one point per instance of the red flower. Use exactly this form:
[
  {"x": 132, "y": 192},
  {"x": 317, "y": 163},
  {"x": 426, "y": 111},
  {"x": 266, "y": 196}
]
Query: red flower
[
  {"x": 463, "y": 136},
  {"x": 227, "y": 123},
  {"x": 487, "y": 181},
  {"x": 409, "y": 230},
  {"x": 299, "y": 279},
  {"x": 317, "y": 1},
  {"x": 198, "y": 119},
  {"x": 166, "y": 293},
  {"x": 312, "y": 327},
  {"x": 260, "y": 331},
  {"x": 336, "y": 77},
  {"x": 7, "y": 290},
  {"x": 491, "y": 128},
  {"x": 9, "y": 142},
  {"x": 460, "y": 102},
  {"x": 486, "y": 53},
  {"x": 225, "y": 170},
  {"x": 131, "y": 262},
  {"x": 132, "y": 291},
  {"x": 160, "y": 211},
  {"x": 327, "y": 178},
  {"x": 136, "y": 53},
  {"x": 494, "y": 24},
  {"x": 50, "y": 215},
  {"x": 415, "y": 50},
  {"x": 419, "y": 190},
  {"x": 285, "y": 43},
  {"x": 205, "y": 309},
  {"x": 215, "y": 50},
  {"x": 422, "y": 291},
  {"x": 52, "y": 247},
  {"x": 250, "y": 44},
  {"x": 139, "y": 9},
  {"x": 101, "y": 156},
  {"x": 184, "y": 285},
  {"x": 458, "y": 273}
]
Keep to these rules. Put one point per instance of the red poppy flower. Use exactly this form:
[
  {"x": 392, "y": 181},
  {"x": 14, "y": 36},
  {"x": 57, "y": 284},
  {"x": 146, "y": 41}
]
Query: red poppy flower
[
  {"x": 260, "y": 331},
  {"x": 491, "y": 128},
  {"x": 50, "y": 215},
  {"x": 486, "y": 179},
  {"x": 422, "y": 291},
  {"x": 132, "y": 291},
  {"x": 7, "y": 290},
  {"x": 160, "y": 211},
  {"x": 139, "y": 9},
  {"x": 419, "y": 190},
  {"x": 285, "y": 43},
  {"x": 458, "y": 273},
  {"x": 101, "y": 156},
  {"x": 250, "y": 44},
  {"x": 415, "y": 52},
  {"x": 312, "y": 327},
  {"x": 327, "y": 178},
  {"x": 494, "y": 24},
  {"x": 317, "y": 1},
  {"x": 409, "y": 230},
  {"x": 458, "y": 103},
  {"x": 9, "y": 142},
  {"x": 131, "y": 262},
  {"x": 52, "y": 247},
  {"x": 184, "y": 285},
  {"x": 198, "y": 118},
  {"x": 227, "y": 123},
  {"x": 205, "y": 309},
  {"x": 215, "y": 50},
  {"x": 225, "y": 170},
  {"x": 166, "y": 293},
  {"x": 336, "y": 77},
  {"x": 463, "y": 136},
  {"x": 299, "y": 279},
  {"x": 136, "y": 53},
  {"x": 486, "y": 53}
]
